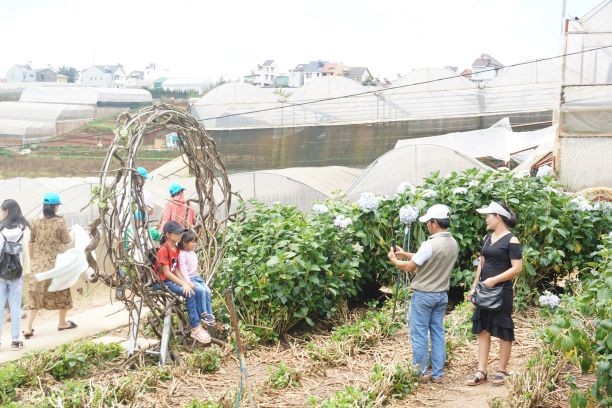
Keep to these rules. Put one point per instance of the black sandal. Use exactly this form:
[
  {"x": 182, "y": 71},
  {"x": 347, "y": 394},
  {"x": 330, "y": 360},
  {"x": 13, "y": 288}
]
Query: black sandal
[
  {"x": 28, "y": 335},
  {"x": 476, "y": 379},
  {"x": 499, "y": 378},
  {"x": 71, "y": 325}
]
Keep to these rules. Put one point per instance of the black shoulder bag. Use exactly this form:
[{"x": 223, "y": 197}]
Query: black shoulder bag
[{"x": 489, "y": 299}]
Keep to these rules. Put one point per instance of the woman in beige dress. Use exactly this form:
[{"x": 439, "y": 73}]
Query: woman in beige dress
[{"x": 49, "y": 237}]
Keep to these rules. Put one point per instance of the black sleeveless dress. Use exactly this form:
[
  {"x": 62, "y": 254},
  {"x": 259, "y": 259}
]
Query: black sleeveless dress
[{"x": 497, "y": 258}]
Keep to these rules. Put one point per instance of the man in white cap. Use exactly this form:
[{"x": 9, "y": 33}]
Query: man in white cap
[{"x": 432, "y": 263}]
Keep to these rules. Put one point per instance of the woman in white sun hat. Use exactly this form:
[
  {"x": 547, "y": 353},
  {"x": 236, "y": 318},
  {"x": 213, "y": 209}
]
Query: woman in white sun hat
[{"x": 499, "y": 262}]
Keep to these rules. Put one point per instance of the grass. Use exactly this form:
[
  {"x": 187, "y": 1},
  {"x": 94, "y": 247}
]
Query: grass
[
  {"x": 348, "y": 339},
  {"x": 386, "y": 383},
  {"x": 68, "y": 361},
  {"x": 283, "y": 377}
]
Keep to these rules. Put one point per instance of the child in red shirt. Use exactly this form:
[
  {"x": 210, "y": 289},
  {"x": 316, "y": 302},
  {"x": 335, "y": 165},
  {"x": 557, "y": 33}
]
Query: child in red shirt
[{"x": 167, "y": 271}]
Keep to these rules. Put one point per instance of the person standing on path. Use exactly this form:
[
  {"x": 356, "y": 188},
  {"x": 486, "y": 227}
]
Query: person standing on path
[
  {"x": 49, "y": 237},
  {"x": 500, "y": 261},
  {"x": 13, "y": 227},
  {"x": 432, "y": 263},
  {"x": 177, "y": 209}
]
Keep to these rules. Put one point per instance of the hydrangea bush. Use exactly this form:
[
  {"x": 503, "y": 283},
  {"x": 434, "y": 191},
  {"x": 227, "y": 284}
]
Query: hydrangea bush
[{"x": 302, "y": 264}]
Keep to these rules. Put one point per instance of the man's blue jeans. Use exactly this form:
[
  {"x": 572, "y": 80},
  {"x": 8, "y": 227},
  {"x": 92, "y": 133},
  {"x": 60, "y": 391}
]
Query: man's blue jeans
[
  {"x": 427, "y": 319},
  {"x": 190, "y": 302},
  {"x": 11, "y": 290}
]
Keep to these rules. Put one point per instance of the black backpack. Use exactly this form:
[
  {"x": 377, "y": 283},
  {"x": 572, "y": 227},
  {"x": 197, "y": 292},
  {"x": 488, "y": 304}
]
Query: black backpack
[{"x": 10, "y": 264}]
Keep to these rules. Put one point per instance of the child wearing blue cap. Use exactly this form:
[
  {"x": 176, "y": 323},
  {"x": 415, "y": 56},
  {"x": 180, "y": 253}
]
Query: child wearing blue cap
[{"x": 177, "y": 209}]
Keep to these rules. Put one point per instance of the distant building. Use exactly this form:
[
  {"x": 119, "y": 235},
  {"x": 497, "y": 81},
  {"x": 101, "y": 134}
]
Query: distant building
[
  {"x": 334, "y": 69},
  {"x": 107, "y": 76},
  {"x": 21, "y": 73},
  {"x": 46, "y": 75},
  {"x": 485, "y": 68},
  {"x": 304, "y": 73},
  {"x": 263, "y": 76},
  {"x": 153, "y": 72},
  {"x": 359, "y": 74},
  {"x": 62, "y": 79},
  {"x": 135, "y": 78},
  {"x": 281, "y": 81}
]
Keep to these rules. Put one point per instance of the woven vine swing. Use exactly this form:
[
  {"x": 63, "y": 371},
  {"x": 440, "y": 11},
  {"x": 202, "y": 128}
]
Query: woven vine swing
[{"x": 122, "y": 228}]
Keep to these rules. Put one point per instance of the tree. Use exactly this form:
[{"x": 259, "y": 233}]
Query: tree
[
  {"x": 70, "y": 72},
  {"x": 371, "y": 81}
]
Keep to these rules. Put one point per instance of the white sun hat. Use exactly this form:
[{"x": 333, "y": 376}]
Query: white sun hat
[
  {"x": 494, "y": 208},
  {"x": 436, "y": 212}
]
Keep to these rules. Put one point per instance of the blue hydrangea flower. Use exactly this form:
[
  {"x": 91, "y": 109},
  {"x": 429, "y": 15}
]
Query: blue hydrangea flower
[
  {"x": 582, "y": 203},
  {"x": 429, "y": 193},
  {"x": 406, "y": 187},
  {"x": 342, "y": 221},
  {"x": 544, "y": 171},
  {"x": 368, "y": 202},
  {"x": 550, "y": 300},
  {"x": 320, "y": 209},
  {"x": 408, "y": 214}
]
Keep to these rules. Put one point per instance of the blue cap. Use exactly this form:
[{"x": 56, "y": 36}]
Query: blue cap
[
  {"x": 175, "y": 189},
  {"x": 51, "y": 199},
  {"x": 143, "y": 172}
]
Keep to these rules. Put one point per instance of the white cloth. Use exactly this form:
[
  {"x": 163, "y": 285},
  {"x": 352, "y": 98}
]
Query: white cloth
[{"x": 423, "y": 254}]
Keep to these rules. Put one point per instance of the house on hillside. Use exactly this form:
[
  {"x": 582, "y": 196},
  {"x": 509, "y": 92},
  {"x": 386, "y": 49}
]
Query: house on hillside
[
  {"x": 304, "y": 73},
  {"x": 485, "y": 68},
  {"x": 21, "y": 73},
  {"x": 46, "y": 75},
  {"x": 263, "y": 76},
  {"x": 107, "y": 76},
  {"x": 359, "y": 74},
  {"x": 135, "y": 78},
  {"x": 334, "y": 69}
]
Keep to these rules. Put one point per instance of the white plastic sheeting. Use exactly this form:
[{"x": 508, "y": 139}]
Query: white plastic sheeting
[
  {"x": 44, "y": 111},
  {"x": 233, "y": 98},
  {"x": 584, "y": 143},
  {"x": 410, "y": 163},
  {"x": 298, "y": 186},
  {"x": 498, "y": 141},
  {"x": 87, "y": 96},
  {"x": 428, "y": 93},
  {"x": 33, "y": 121},
  {"x": 75, "y": 194}
]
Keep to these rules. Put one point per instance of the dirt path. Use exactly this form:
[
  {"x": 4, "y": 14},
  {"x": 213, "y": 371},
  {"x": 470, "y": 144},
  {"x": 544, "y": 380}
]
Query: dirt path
[{"x": 324, "y": 381}]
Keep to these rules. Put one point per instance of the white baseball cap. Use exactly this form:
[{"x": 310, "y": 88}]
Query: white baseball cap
[
  {"x": 494, "y": 208},
  {"x": 436, "y": 211}
]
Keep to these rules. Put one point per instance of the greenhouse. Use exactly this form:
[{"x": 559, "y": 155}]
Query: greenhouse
[
  {"x": 411, "y": 163},
  {"x": 30, "y": 121},
  {"x": 100, "y": 97},
  {"x": 300, "y": 187},
  {"x": 232, "y": 99}
]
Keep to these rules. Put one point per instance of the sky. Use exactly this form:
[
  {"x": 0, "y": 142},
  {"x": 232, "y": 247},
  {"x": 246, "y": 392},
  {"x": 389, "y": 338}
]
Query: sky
[{"x": 208, "y": 39}]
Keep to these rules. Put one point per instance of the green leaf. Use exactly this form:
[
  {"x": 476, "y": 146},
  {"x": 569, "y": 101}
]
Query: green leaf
[{"x": 566, "y": 344}]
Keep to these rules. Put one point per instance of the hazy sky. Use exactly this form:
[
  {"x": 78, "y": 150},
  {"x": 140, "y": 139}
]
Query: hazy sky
[{"x": 206, "y": 39}]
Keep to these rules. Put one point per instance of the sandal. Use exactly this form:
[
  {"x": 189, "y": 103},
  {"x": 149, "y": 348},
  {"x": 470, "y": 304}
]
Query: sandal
[
  {"x": 16, "y": 345},
  {"x": 499, "y": 378},
  {"x": 71, "y": 325},
  {"x": 476, "y": 379},
  {"x": 28, "y": 335}
]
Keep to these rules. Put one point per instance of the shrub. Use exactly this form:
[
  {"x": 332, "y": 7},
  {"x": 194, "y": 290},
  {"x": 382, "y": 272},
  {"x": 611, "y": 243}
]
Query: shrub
[
  {"x": 283, "y": 377},
  {"x": 286, "y": 267},
  {"x": 348, "y": 339},
  {"x": 12, "y": 376},
  {"x": 582, "y": 326},
  {"x": 206, "y": 361}
]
